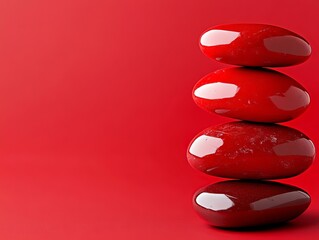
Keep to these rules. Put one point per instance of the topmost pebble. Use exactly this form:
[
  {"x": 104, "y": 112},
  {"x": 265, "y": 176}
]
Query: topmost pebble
[{"x": 254, "y": 45}]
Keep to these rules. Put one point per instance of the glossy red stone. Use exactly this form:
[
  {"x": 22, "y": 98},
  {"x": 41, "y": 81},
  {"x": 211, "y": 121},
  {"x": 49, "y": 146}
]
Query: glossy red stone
[
  {"x": 259, "y": 95},
  {"x": 245, "y": 150},
  {"x": 254, "y": 45},
  {"x": 233, "y": 204}
]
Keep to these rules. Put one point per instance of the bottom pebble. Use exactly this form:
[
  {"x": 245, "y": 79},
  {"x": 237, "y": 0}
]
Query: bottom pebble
[{"x": 238, "y": 203}]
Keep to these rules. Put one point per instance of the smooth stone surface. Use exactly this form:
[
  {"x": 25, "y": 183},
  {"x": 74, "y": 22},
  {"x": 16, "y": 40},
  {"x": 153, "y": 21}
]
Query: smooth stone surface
[
  {"x": 258, "y": 95},
  {"x": 245, "y": 150},
  {"x": 233, "y": 204},
  {"x": 254, "y": 45}
]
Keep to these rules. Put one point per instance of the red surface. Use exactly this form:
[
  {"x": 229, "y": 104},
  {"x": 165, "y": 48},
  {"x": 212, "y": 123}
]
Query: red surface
[
  {"x": 254, "y": 45},
  {"x": 251, "y": 151},
  {"x": 258, "y": 95},
  {"x": 237, "y": 203},
  {"x": 96, "y": 116}
]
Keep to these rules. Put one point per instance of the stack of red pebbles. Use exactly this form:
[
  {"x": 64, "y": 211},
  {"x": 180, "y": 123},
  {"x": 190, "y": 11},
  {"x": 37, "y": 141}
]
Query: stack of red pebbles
[{"x": 256, "y": 149}]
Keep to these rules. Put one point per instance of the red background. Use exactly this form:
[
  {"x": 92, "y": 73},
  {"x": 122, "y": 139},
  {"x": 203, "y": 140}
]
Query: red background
[{"x": 96, "y": 114}]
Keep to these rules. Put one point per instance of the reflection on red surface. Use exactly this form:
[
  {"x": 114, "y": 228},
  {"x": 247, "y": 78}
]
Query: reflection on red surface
[
  {"x": 245, "y": 150},
  {"x": 238, "y": 203},
  {"x": 259, "y": 95},
  {"x": 258, "y": 45}
]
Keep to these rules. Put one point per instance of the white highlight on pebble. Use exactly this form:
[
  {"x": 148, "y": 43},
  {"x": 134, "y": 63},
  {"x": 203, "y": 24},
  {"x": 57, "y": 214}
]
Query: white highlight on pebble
[
  {"x": 214, "y": 201},
  {"x": 216, "y": 90},
  {"x": 217, "y": 37},
  {"x": 205, "y": 145}
]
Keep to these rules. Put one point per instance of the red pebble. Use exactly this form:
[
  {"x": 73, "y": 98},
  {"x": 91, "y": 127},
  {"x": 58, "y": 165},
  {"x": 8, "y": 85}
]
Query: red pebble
[
  {"x": 233, "y": 204},
  {"x": 254, "y": 45},
  {"x": 259, "y": 95},
  {"x": 251, "y": 151}
]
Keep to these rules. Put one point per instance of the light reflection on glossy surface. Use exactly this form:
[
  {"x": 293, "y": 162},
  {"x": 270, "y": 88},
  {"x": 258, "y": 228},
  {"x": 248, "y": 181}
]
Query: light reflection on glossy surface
[
  {"x": 245, "y": 150},
  {"x": 221, "y": 111},
  {"x": 293, "y": 99},
  {"x": 255, "y": 45},
  {"x": 257, "y": 95},
  {"x": 216, "y": 90},
  {"x": 287, "y": 199},
  {"x": 297, "y": 147},
  {"x": 239, "y": 203},
  {"x": 288, "y": 45},
  {"x": 214, "y": 201},
  {"x": 205, "y": 145},
  {"x": 218, "y": 37}
]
